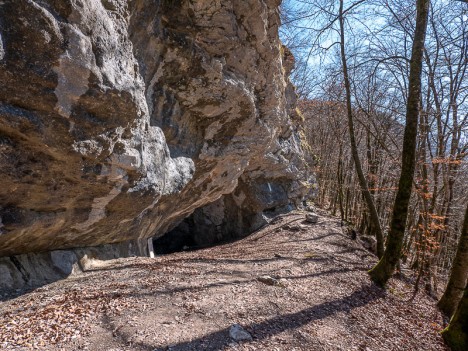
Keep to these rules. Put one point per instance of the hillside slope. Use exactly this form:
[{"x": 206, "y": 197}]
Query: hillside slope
[{"x": 321, "y": 299}]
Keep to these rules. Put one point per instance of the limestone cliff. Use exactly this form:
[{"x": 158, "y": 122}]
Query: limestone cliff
[{"x": 120, "y": 118}]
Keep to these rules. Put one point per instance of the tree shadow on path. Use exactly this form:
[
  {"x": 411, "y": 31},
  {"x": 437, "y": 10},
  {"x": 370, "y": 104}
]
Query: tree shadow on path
[{"x": 281, "y": 323}]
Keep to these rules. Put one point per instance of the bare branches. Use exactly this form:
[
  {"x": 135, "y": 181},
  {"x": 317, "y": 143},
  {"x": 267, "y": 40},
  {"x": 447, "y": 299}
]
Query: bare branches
[{"x": 379, "y": 37}]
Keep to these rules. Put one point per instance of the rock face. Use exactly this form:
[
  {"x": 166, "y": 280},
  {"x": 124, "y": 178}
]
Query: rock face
[
  {"x": 34, "y": 269},
  {"x": 120, "y": 118},
  {"x": 273, "y": 183}
]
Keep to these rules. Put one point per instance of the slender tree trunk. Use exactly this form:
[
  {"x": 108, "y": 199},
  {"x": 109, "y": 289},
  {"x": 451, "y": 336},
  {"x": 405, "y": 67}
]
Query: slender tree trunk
[
  {"x": 348, "y": 195},
  {"x": 382, "y": 272},
  {"x": 340, "y": 183},
  {"x": 374, "y": 217},
  {"x": 427, "y": 215},
  {"x": 459, "y": 274},
  {"x": 456, "y": 334}
]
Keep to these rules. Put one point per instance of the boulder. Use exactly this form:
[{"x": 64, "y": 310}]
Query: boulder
[
  {"x": 311, "y": 218},
  {"x": 239, "y": 334}
]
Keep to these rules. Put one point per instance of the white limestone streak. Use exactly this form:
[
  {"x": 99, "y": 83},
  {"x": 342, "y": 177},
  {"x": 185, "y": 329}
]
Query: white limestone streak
[
  {"x": 98, "y": 208},
  {"x": 73, "y": 71}
]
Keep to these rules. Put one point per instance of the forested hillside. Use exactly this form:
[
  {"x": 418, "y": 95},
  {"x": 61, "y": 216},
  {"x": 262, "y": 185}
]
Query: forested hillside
[{"x": 384, "y": 92}]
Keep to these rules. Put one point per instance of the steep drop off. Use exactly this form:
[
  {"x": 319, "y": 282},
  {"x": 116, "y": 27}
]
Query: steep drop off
[{"x": 120, "y": 118}]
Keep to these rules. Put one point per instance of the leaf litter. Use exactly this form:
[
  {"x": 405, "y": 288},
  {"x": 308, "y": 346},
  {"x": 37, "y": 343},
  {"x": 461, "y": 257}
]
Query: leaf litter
[{"x": 289, "y": 288}]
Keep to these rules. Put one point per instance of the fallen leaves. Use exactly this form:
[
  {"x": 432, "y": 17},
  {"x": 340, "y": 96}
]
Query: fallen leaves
[
  {"x": 291, "y": 289},
  {"x": 61, "y": 319}
]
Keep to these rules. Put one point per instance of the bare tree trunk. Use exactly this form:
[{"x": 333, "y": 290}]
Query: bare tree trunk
[
  {"x": 456, "y": 334},
  {"x": 374, "y": 217},
  {"x": 340, "y": 183},
  {"x": 459, "y": 274},
  {"x": 382, "y": 272}
]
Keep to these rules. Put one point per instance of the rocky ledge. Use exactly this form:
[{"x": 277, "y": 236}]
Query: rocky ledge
[{"x": 118, "y": 119}]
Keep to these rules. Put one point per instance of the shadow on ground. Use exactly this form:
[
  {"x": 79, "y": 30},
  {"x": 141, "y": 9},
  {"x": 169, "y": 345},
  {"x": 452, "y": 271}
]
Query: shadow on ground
[{"x": 276, "y": 325}]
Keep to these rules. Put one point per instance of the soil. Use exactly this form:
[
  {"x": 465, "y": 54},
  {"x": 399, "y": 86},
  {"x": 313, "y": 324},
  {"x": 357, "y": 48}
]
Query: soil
[{"x": 292, "y": 285}]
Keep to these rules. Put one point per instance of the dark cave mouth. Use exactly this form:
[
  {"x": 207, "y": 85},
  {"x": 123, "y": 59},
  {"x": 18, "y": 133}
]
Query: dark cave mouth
[
  {"x": 175, "y": 240},
  {"x": 199, "y": 232},
  {"x": 187, "y": 236}
]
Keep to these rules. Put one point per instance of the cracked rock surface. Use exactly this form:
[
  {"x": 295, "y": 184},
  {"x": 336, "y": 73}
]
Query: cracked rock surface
[{"x": 120, "y": 118}]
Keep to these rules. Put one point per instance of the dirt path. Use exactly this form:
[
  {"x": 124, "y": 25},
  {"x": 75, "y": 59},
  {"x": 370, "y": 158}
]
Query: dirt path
[{"x": 322, "y": 300}]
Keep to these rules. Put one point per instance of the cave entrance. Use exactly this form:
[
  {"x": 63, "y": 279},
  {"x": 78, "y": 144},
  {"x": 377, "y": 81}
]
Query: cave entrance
[
  {"x": 178, "y": 239},
  {"x": 194, "y": 234},
  {"x": 208, "y": 226},
  {"x": 220, "y": 222},
  {"x": 199, "y": 230}
]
